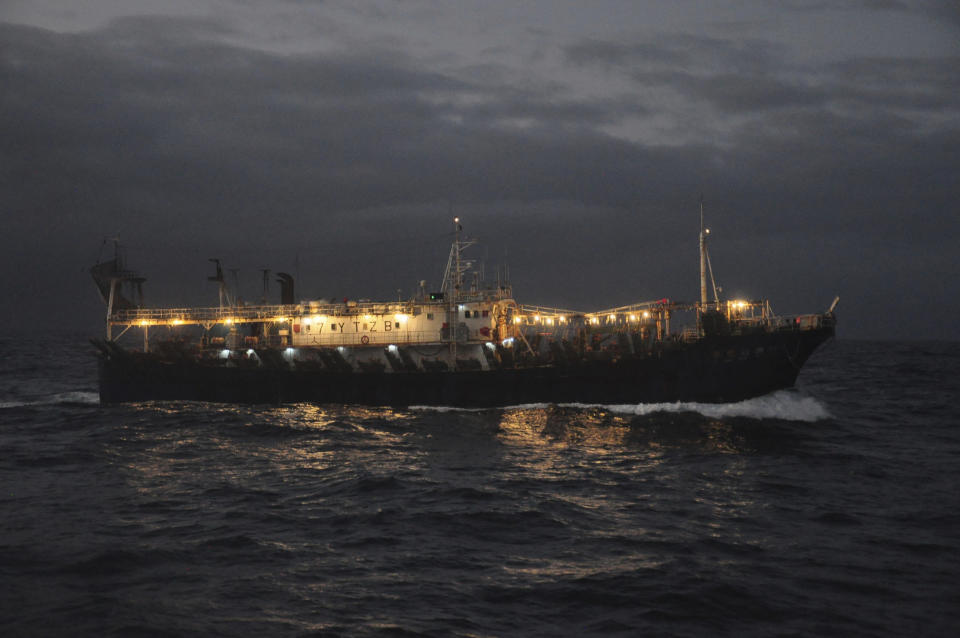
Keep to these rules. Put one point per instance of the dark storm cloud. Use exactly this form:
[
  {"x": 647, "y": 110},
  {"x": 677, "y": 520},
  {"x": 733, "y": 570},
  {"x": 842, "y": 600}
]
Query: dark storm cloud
[
  {"x": 148, "y": 116},
  {"x": 878, "y": 131}
]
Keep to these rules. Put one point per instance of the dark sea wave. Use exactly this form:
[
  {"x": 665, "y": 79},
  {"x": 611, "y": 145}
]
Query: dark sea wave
[{"x": 830, "y": 509}]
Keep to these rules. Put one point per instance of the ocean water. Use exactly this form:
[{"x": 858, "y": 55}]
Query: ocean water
[{"x": 831, "y": 509}]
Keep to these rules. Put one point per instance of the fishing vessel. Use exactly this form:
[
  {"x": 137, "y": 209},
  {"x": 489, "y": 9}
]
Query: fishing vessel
[{"x": 465, "y": 344}]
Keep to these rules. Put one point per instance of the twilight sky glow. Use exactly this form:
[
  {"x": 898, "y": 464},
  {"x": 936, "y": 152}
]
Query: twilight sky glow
[{"x": 334, "y": 138}]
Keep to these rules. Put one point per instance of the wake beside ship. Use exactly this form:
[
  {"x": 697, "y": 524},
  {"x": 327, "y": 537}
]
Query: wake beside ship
[{"x": 467, "y": 344}]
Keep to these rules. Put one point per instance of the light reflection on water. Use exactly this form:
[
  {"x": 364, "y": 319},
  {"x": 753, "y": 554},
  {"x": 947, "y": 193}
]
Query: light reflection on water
[
  {"x": 306, "y": 435},
  {"x": 579, "y": 467},
  {"x": 590, "y": 429}
]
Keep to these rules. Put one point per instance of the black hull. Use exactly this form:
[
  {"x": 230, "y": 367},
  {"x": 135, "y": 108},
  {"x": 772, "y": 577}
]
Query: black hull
[{"x": 712, "y": 370}]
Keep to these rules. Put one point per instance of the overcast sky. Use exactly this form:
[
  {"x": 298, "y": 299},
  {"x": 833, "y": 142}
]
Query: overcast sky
[{"x": 333, "y": 139}]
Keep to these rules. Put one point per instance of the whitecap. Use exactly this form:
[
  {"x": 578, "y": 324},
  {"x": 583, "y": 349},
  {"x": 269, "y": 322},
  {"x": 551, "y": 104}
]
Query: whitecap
[
  {"x": 785, "y": 405},
  {"x": 61, "y": 398}
]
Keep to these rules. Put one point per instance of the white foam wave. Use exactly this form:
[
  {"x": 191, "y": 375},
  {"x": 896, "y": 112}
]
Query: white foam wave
[
  {"x": 785, "y": 405},
  {"x": 61, "y": 398}
]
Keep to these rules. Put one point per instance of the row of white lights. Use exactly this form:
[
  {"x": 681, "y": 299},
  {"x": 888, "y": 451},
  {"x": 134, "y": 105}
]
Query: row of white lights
[{"x": 562, "y": 319}]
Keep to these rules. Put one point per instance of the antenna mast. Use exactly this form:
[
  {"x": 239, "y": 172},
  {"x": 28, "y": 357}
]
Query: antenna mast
[
  {"x": 703, "y": 260},
  {"x": 706, "y": 266}
]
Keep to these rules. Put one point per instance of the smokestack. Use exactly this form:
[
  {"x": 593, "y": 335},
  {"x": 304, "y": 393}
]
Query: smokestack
[{"x": 286, "y": 288}]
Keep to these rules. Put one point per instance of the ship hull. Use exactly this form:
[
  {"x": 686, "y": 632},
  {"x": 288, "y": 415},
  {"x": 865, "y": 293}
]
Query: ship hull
[{"x": 713, "y": 370}]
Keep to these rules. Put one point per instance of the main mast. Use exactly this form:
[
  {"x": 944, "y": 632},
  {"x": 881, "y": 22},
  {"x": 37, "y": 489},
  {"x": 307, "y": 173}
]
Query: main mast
[{"x": 455, "y": 298}]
